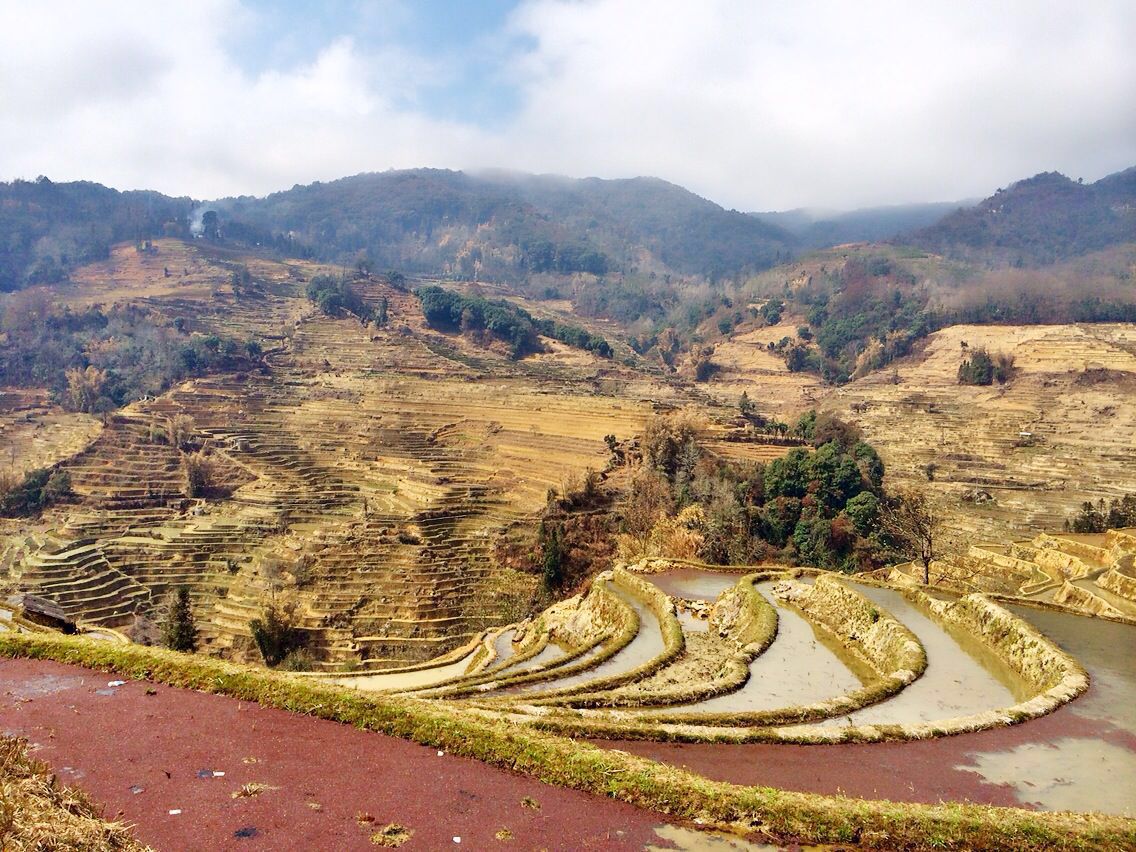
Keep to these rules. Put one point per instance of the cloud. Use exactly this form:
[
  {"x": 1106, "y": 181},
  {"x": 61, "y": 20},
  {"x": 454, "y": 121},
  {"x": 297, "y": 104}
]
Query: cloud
[{"x": 756, "y": 105}]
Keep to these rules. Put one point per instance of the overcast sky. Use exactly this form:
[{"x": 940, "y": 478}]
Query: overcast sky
[{"x": 756, "y": 105}]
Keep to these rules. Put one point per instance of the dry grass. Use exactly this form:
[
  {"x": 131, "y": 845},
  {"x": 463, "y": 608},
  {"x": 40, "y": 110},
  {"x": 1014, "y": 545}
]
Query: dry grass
[
  {"x": 391, "y": 836},
  {"x": 250, "y": 790},
  {"x": 36, "y": 812}
]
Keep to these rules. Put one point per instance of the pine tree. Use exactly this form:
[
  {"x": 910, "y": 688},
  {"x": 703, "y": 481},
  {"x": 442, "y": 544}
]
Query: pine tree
[
  {"x": 180, "y": 632},
  {"x": 552, "y": 556}
]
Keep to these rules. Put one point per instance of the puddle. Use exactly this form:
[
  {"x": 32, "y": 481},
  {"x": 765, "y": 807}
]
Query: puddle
[
  {"x": 409, "y": 680},
  {"x": 648, "y": 643},
  {"x": 694, "y": 583},
  {"x": 802, "y": 666},
  {"x": 692, "y": 840},
  {"x": 37, "y": 685},
  {"x": 963, "y": 676},
  {"x": 1078, "y": 773},
  {"x": 1065, "y": 774},
  {"x": 691, "y": 623}
]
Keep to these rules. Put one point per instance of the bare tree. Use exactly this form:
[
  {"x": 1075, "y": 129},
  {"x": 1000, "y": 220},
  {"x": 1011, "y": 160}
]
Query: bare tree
[{"x": 914, "y": 520}]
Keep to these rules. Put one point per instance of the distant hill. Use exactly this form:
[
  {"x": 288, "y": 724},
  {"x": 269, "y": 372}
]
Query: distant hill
[
  {"x": 1042, "y": 220},
  {"x": 505, "y": 225},
  {"x": 824, "y": 228},
  {"x": 513, "y": 228},
  {"x": 47, "y": 228}
]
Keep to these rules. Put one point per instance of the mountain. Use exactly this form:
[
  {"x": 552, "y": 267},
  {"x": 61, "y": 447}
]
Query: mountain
[
  {"x": 505, "y": 225},
  {"x": 47, "y": 228},
  {"x": 1042, "y": 220},
  {"x": 825, "y": 228}
]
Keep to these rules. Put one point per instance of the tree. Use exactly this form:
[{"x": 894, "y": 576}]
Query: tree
[
  {"x": 916, "y": 524},
  {"x": 552, "y": 555},
  {"x": 275, "y": 634},
  {"x": 978, "y": 369},
  {"x": 179, "y": 633},
  {"x": 210, "y": 226},
  {"x": 85, "y": 387},
  {"x": 745, "y": 405}
]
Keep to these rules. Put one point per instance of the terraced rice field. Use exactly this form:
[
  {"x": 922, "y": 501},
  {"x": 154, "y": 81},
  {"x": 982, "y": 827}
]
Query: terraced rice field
[
  {"x": 1012, "y": 459},
  {"x": 723, "y": 661},
  {"x": 366, "y": 472}
]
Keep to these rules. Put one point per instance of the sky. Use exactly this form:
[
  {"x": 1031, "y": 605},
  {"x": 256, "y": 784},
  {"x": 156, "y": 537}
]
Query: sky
[{"x": 757, "y": 105}]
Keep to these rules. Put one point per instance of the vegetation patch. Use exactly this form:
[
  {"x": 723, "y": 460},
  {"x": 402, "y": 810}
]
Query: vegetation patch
[
  {"x": 38, "y": 813},
  {"x": 449, "y": 311}
]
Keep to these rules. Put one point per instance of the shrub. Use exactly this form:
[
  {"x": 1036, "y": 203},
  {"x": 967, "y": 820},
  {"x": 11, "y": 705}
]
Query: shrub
[
  {"x": 275, "y": 634},
  {"x": 978, "y": 369}
]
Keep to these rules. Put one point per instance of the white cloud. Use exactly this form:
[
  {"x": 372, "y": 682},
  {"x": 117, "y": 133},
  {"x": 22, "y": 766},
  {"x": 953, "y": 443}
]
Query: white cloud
[{"x": 756, "y": 105}]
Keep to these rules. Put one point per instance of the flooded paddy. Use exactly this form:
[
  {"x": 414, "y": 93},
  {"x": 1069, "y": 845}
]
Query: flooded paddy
[
  {"x": 963, "y": 675},
  {"x": 647, "y": 644},
  {"x": 548, "y": 656},
  {"x": 802, "y": 666},
  {"x": 1065, "y": 772},
  {"x": 409, "y": 680},
  {"x": 503, "y": 645},
  {"x": 694, "y": 583}
]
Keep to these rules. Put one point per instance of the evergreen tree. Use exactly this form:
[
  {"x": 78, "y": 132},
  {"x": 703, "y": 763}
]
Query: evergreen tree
[
  {"x": 180, "y": 632},
  {"x": 552, "y": 555}
]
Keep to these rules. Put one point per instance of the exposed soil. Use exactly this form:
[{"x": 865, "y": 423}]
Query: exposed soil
[{"x": 326, "y": 785}]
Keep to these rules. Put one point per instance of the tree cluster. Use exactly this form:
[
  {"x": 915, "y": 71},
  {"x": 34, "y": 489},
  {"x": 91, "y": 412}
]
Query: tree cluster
[
  {"x": 1118, "y": 513},
  {"x": 336, "y": 296},
  {"x": 37, "y": 490},
  {"x": 982, "y": 368},
  {"x": 817, "y": 505},
  {"x": 98, "y": 359},
  {"x": 449, "y": 311}
]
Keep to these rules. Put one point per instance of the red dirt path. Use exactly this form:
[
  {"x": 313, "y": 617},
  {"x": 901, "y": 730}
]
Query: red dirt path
[{"x": 108, "y": 740}]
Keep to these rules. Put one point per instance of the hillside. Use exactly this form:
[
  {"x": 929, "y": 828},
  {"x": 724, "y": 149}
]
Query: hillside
[
  {"x": 501, "y": 225},
  {"x": 48, "y": 228},
  {"x": 1041, "y": 220}
]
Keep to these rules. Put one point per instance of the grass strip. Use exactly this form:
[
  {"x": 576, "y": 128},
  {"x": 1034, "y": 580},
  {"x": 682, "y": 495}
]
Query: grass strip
[{"x": 774, "y": 814}]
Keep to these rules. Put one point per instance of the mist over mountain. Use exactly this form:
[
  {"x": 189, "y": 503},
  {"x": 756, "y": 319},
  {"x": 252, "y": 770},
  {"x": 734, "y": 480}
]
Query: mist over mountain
[
  {"x": 508, "y": 226},
  {"x": 824, "y": 228}
]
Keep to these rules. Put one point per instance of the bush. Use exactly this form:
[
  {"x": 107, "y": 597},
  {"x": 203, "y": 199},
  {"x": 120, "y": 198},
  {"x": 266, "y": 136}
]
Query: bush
[
  {"x": 39, "y": 489},
  {"x": 275, "y": 634},
  {"x": 978, "y": 369}
]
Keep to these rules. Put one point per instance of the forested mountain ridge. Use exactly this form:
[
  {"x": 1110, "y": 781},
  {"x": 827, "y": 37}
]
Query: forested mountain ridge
[
  {"x": 505, "y": 225},
  {"x": 47, "y": 228},
  {"x": 533, "y": 230},
  {"x": 1042, "y": 220}
]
